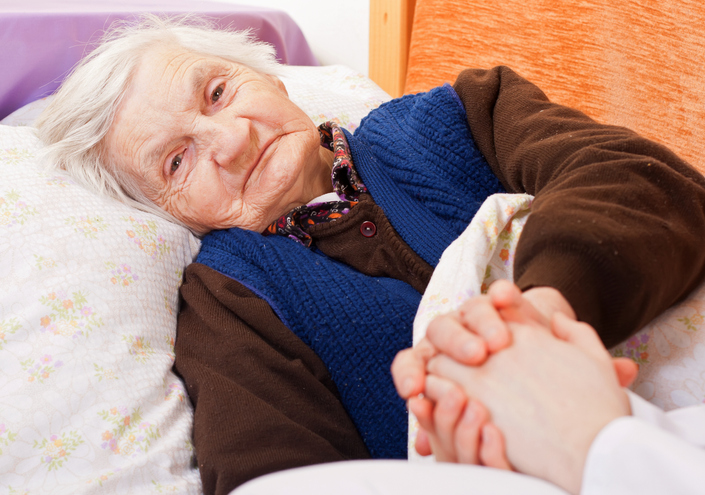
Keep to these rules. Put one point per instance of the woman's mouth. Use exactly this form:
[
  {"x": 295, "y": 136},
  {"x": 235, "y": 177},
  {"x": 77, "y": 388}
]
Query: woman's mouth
[{"x": 260, "y": 162}]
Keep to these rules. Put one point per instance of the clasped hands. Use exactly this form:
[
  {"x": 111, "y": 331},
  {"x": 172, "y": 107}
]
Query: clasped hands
[{"x": 512, "y": 381}]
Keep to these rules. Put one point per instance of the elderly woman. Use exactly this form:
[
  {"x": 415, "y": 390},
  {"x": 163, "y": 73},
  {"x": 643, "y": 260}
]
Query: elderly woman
[{"x": 319, "y": 243}]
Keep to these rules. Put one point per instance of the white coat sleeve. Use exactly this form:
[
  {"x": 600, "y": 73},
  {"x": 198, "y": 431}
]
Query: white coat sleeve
[{"x": 650, "y": 452}]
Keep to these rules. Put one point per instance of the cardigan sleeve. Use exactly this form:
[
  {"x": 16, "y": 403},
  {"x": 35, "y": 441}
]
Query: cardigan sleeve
[
  {"x": 263, "y": 401},
  {"x": 617, "y": 225}
]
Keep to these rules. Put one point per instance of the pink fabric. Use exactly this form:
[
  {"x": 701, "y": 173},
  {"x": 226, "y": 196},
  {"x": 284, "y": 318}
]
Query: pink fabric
[{"x": 41, "y": 40}]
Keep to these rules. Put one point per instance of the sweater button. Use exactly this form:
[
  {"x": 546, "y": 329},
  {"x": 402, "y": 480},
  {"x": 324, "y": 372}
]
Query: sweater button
[{"x": 368, "y": 229}]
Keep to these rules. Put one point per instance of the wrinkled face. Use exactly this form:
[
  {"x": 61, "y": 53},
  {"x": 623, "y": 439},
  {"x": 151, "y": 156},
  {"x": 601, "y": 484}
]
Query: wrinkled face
[{"x": 215, "y": 143}]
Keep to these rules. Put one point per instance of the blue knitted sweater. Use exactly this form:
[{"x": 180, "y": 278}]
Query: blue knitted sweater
[{"x": 418, "y": 159}]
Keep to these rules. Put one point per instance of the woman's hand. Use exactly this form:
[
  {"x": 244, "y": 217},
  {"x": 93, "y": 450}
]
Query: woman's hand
[
  {"x": 476, "y": 330},
  {"x": 549, "y": 396},
  {"x": 455, "y": 428}
]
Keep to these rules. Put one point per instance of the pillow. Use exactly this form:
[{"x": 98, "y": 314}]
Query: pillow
[
  {"x": 87, "y": 325},
  {"x": 335, "y": 92},
  {"x": 88, "y": 311},
  {"x": 27, "y": 114},
  {"x": 670, "y": 350}
]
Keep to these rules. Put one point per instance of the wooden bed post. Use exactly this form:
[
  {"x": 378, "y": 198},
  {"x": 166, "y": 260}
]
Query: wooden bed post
[{"x": 390, "y": 33}]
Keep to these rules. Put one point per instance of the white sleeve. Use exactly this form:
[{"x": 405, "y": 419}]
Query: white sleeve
[{"x": 650, "y": 452}]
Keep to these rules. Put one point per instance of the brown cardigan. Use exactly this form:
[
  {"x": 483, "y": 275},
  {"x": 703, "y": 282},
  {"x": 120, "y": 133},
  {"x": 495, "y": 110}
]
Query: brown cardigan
[{"x": 617, "y": 227}]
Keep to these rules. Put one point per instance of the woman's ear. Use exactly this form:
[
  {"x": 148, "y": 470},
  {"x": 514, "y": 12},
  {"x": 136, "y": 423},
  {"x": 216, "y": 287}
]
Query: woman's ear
[{"x": 277, "y": 82}]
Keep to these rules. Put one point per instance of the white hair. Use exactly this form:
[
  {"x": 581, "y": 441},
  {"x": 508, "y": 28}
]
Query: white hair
[{"x": 75, "y": 123}]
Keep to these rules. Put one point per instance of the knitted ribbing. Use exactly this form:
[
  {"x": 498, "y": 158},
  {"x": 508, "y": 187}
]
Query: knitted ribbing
[
  {"x": 419, "y": 162},
  {"x": 356, "y": 324},
  {"x": 417, "y": 157}
]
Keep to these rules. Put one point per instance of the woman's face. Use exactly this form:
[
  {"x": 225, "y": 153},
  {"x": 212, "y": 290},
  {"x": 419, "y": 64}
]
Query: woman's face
[{"x": 215, "y": 143}]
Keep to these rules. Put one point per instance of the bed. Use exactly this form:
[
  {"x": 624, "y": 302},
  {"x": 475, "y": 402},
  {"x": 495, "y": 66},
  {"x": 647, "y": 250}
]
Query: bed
[{"x": 88, "y": 402}]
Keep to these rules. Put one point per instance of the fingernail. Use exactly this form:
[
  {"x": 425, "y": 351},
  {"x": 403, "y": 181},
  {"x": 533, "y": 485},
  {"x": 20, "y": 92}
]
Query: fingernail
[
  {"x": 470, "y": 414},
  {"x": 491, "y": 331},
  {"x": 448, "y": 402},
  {"x": 469, "y": 349},
  {"x": 407, "y": 386},
  {"x": 487, "y": 435}
]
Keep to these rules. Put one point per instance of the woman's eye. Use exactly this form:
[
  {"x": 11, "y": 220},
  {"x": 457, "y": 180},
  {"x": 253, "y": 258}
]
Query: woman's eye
[
  {"x": 217, "y": 93},
  {"x": 176, "y": 161}
]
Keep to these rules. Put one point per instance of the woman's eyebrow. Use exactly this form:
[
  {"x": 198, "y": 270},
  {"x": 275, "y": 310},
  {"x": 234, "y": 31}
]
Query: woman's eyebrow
[
  {"x": 200, "y": 75},
  {"x": 152, "y": 166},
  {"x": 155, "y": 156}
]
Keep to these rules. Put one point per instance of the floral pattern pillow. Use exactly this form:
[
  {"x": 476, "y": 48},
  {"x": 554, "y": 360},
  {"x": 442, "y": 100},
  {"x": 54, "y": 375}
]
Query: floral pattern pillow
[
  {"x": 88, "y": 304},
  {"x": 87, "y": 317}
]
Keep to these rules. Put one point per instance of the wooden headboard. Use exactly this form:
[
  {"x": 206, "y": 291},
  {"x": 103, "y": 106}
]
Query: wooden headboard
[
  {"x": 637, "y": 63},
  {"x": 390, "y": 36}
]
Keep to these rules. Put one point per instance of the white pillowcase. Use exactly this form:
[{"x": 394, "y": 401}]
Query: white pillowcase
[{"x": 88, "y": 304}]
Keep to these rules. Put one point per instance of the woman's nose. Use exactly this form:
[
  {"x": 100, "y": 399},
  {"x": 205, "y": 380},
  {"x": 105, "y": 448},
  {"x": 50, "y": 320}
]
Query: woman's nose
[{"x": 230, "y": 142}]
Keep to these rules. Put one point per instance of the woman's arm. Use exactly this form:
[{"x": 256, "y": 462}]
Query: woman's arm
[
  {"x": 618, "y": 221},
  {"x": 263, "y": 401}
]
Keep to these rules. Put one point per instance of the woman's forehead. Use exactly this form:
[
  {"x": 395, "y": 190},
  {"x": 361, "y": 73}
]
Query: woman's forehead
[
  {"x": 176, "y": 67},
  {"x": 169, "y": 80}
]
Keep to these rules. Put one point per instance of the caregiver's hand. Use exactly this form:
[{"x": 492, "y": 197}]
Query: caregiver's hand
[
  {"x": 549, "y": 396},
  {"x": 477, "y": 329}
]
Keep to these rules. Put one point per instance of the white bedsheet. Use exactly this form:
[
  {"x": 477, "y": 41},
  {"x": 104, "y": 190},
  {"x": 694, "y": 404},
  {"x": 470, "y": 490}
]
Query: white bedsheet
[{"x": 389, "y": 477}]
